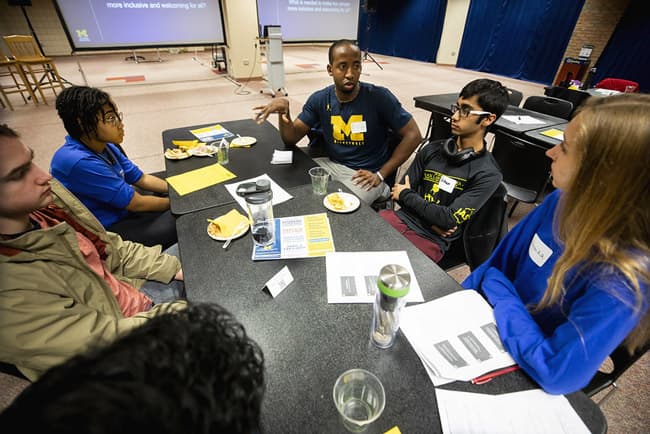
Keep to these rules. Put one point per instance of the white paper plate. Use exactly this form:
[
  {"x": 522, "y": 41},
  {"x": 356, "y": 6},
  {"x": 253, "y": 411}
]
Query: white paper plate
[
  {"x": 234, "y": 236},
  {"x": 182, "y": 156},
  {"x": 243, "y": 141},
  {"x": 203, "y": 151},
  {"x": 350, "y": 201}
]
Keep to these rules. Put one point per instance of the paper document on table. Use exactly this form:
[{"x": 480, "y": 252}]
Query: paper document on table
[
  {"x": 305, "y": 236},
  {"x": 279, "y": 194},
  {"x": 456, "y": 335},
  {"x": 352, "y": 276},
  {"x": 197, "y": 179},
  {"x": 211, "y": 133},
  {"x": 531, "y": 412},
  {"x": 554, "y": 133},
  {"x": 523, "y": 120}
]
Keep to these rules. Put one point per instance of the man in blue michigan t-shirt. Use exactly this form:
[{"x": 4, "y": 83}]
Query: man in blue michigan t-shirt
[{"x": 356, "y": 120}]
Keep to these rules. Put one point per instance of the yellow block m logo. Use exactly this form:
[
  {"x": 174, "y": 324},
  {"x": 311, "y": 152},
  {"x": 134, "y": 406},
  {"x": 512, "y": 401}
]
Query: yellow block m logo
[{"x": 341, "y": 130}]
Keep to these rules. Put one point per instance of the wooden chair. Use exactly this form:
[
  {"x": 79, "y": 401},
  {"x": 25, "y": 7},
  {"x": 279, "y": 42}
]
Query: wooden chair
[
  {"x": 32, "y": 63},
  {"x": 12, "y": 81}
]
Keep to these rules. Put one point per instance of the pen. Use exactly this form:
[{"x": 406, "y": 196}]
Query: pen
[{"x": 490, "y": 375}]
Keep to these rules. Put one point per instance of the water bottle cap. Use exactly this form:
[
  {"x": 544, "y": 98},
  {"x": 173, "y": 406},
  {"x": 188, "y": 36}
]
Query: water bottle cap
[{"x": 394, "y": 280}]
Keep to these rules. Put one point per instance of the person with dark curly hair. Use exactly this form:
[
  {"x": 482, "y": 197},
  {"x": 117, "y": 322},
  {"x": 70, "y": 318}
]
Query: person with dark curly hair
[
  {"x": 92, "y": 165},
  {"x": 194, "y": 371}
]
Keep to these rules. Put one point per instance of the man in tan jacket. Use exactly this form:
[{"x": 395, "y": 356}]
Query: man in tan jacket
[{"x": 65, "y": 283}]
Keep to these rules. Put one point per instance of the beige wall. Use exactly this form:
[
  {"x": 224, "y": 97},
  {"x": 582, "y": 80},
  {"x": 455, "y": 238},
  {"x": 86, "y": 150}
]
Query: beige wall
[
  {"x": 241, "y": 27},
  {"x": 452, "y": 31}
]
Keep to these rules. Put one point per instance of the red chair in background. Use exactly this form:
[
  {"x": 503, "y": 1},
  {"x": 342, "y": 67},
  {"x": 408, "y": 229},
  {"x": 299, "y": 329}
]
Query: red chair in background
[{"x": 618, "y": 84}]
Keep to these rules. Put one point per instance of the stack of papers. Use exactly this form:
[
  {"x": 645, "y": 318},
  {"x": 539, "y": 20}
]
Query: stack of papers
[
  {"x": 532, "y": 411},
  {"x": 455, "y": 336},
  {"x": 305, "y": 236},
  {"x": 282, "y": 157}
]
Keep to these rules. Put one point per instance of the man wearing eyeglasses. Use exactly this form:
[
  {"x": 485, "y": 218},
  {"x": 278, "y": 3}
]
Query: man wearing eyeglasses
[
  {"x": 451, "y": 179},
  {"x": 93, "y": 166}
]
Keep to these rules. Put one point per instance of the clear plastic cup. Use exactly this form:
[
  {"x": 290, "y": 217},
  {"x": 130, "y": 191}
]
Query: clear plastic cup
[
  {"x": 359, "y": 398},
  {"x": 319, "y": 179}
]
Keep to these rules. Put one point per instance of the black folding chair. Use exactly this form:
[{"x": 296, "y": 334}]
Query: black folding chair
[
  {"x": 550, "y": 106},
  {"x": 525, "y": 167},
  {"x": 481, "y": 234},
  {"x": 514, "y": 96}
]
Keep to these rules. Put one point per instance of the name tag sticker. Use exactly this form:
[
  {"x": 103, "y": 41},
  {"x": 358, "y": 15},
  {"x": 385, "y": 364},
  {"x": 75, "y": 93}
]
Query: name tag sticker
[
  {"x": 447, "y": 184},
  {"x": 538, "y": 251},
  {"x": 359, "y": 127}
]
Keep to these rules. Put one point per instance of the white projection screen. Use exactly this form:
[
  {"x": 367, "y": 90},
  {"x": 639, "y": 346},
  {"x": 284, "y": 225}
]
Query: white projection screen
[
  {"x": 97, "y": 25},
  {"x": 311, "y": 20}
]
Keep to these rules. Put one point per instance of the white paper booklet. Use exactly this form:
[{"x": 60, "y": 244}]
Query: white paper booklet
[
  {"x": 456, "y": 336},
  {"x": 352, "y": 276}
]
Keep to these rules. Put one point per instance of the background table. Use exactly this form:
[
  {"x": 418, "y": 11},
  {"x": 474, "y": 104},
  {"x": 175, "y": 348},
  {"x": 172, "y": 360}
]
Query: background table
[
  {"x": 307, "y": 342},
  {"x": 536, "y": 135},
  {"x": 244, "y": 162}
]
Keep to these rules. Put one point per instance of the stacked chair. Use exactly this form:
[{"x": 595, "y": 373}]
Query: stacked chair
[{"x": 38, "y": 71}]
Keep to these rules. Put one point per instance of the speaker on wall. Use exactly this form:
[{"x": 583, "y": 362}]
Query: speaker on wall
[{"x": 20, "y": 2}]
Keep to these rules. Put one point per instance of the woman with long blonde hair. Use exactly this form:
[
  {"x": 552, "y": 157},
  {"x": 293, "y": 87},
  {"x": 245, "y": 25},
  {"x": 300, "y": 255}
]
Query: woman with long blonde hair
[{"x": 571, "y": 281}]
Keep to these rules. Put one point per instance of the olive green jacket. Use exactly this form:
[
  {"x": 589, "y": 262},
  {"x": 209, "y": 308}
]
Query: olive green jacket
[{"x": 53, "y": 305}]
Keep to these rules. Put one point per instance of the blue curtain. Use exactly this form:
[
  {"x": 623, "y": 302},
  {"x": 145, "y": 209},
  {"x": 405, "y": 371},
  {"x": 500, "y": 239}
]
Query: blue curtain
[
  {"x": 519, "y": 39},
  {"x": 627, "y": 54},
  {"x": 409, "y": 29}
]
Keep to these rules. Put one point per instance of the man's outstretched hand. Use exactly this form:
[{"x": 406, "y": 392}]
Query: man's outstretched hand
[{"x": 278, "y": 105}]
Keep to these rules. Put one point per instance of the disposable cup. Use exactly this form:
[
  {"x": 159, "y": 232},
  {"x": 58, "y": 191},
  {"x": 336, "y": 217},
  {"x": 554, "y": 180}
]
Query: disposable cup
[
  {"x": 319, "y": 179},
  {"x": 359, "y": 398}
]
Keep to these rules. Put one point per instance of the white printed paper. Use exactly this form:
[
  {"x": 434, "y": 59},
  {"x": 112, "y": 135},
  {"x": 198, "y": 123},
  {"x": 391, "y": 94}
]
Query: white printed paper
[
  {"x": 523, "y": 120},
  {"x": 530, "y": 411},
  {"x": 279, "y": 194},
  {"x": 352, "y": 276},
  {"x": 456, "y": 336}
]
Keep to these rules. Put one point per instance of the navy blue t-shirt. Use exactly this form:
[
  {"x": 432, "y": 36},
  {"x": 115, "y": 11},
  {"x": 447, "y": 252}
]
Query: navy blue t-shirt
[{"x": 356, "y": 132}]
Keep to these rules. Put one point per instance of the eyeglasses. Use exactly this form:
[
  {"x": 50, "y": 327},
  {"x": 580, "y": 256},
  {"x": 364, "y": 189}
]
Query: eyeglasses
[
  {"x": 465, "y": 111},
  {"x": 114, "y": 118}
]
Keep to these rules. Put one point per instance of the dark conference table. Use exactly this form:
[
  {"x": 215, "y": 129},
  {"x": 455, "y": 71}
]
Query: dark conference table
[
  {"x": 308, "y": 343},
  {"x": 244, "y": 162},
  {"x": 439, "y": 106}
]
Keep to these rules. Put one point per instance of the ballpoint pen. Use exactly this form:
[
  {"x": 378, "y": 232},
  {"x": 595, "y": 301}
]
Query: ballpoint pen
[{"x": 490, "y": 375}]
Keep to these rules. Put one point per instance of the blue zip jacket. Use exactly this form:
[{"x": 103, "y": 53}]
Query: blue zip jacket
[{"x": 562, "y": 346}]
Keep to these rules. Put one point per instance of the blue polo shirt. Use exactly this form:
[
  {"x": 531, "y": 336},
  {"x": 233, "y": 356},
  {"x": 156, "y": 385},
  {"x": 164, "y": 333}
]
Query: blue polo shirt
[
  {"x": 356, "y": 132},
  {"x": 101, "y": 181}
]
